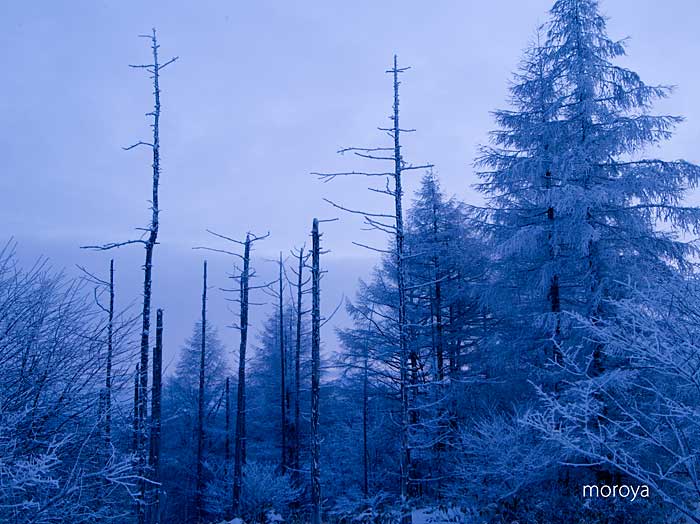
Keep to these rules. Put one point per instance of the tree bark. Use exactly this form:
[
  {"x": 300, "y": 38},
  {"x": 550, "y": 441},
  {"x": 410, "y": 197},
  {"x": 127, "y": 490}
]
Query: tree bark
[
  {"x": 156, "y": 395},
  {"x": 135, "y": 442},
  {"x": 110, "y": 350},
  {"x": 239, "y": 459},
  {"x": 315, "y": 377},
  {"x": 199, "y": 498},
  {"x": 283, "y": 369},
  {"x": 401, "y": 285},
  {"x": 297, "y": 367},
  {"x": 365, "y": 414},
  {"x": 147, "y": 283},
  {"x": 227, "y": 438}
]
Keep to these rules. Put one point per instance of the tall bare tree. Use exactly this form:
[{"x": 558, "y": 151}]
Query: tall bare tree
[
  {"x": 108, "y": 285},
  {"x": 315, "y": 374},
  {"x": 242, "y": 276},
  {"x": 378, "y": 221},
  {"x": 239, "y": 444},
  {"x": 283, "y": 371},
  {"x": 199, "y": 495},
  {"x": 110, "y": 351},
  {"x": 149, "y": 241},
  {"x": 299, "y": 312}
]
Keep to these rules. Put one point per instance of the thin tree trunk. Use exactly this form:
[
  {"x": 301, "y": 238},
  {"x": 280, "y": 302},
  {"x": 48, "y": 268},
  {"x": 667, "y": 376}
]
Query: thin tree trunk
[
  {"x": 283, "y": 366},
  {"x": 227, "y": 440},
  {"x": 452, "y": 345},
  {"x": 553, "y": 293},
  {"x": 147, "y": 283},
  {"x": 199, "y": 499},
  {"x": 110, "y": 349},
  {"x": 156, "y": 395},
  {"x": 438, "y": 339},
  {"x": 315, "y": 377},
  {"x": 297, "y": 367},
  {"x": 149, "y": 243},
  {"x": 365, "y": 414},
  {"x": 401, "y": 285},
  {"x": 135, "y": 443},
  {"x": 240, "y": 437},
  {"x": 437, "y": 296}
]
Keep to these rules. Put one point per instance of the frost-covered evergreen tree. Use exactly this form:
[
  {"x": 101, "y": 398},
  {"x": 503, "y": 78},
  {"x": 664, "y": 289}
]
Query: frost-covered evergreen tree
[
  {"x": 446, "y": 262},
  {"x": 573, "y": 205},
  {"x": 443, "y": 323},
  {"x": 575, "y": 208}
]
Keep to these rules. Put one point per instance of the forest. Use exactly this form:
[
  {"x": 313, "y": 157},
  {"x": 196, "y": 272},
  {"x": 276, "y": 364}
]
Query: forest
[{"x": 531, "y": 360}]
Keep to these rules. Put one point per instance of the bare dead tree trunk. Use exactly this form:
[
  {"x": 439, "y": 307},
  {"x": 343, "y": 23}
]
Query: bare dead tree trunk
[
  {"x": 283, "y": 369},
  {"x": 401, "y": 285},
  {"x": 135, "y": 443},
  {"x": 246, "y": 273},
  {"x": 110, "y": 350},
  {"x": 149, "y": 243},
  {"x": 227, "y": 439},
  {"x": 239, "y": 459},
  {"x": 378, "y": 222},
  {"x": 156, "y": 395},
  {"x": 297, "y": 366},
  {"x": 315, "y": 375},
  {"x": 365, "y": 414},
  {"x": 105, "y": 398},
  {"x": 199, "y": 497},
  {"x": 288, "y": 397},
  {"x": 147, "y": 283}
]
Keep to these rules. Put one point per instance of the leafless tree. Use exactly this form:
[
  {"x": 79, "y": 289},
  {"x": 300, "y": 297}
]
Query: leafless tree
[
  {"x": 383, "y": 222},
  {"x": 199, "y": 495},
  {"x": 315, "y": 375},
  {"x": 242, "y": 275},
  {"x": 110, "y": 350},
  {"x": 283, "y": 374},
  {"x": 108, "y": 285},
  {"x": 299, "y": 312},
  {"x": 149, "y": 241}
]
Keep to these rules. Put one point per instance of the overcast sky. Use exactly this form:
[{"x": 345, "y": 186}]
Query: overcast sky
[{"x": 264, "y": 93}]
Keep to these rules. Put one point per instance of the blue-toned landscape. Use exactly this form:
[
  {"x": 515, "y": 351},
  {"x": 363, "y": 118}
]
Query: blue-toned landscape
[{"x": 364, "y": 263}]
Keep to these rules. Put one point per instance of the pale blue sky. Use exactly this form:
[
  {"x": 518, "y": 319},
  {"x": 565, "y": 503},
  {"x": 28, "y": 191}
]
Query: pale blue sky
[{"x": 264, "y": 93}]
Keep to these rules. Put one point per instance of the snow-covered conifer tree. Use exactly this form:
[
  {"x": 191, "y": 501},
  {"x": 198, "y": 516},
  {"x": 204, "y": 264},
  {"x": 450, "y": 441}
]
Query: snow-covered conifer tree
[{"x": 575, "y": 207}]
